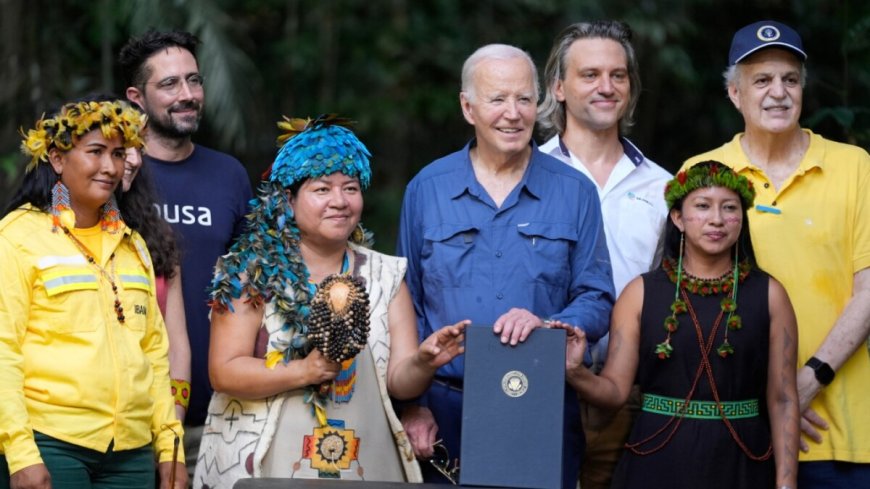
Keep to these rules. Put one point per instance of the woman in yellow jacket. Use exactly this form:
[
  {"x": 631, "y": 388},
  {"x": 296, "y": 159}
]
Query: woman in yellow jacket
[{"x": 83, "y": 350}]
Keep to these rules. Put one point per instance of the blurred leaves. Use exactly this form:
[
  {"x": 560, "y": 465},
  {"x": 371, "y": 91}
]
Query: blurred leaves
[{"x": 394, "y": 66}]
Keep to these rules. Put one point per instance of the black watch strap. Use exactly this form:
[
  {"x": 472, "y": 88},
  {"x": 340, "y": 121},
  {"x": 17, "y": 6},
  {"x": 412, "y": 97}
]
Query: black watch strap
[{"x": 824, "y": 372}]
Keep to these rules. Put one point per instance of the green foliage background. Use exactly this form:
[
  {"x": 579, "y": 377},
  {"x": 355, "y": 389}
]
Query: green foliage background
[{"x": 393, "y": 65}]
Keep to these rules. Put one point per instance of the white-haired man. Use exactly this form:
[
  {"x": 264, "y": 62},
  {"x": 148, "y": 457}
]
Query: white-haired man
[
  {"x": 503, "y": 235},
  {"x": 811, "y": 230}
]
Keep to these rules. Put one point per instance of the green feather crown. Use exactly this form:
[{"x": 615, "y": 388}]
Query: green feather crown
[{"x": 708, "y": 174}]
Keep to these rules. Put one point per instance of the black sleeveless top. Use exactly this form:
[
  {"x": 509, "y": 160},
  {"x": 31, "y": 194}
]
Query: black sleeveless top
[{"x": 701, "y": 452}]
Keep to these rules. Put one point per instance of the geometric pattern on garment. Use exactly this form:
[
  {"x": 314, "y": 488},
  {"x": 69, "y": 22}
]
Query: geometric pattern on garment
[
  {"x": 331, "y": 449},
  {"x": 241, "y": 427},
  {"x": 217, "y": 467},
  {"x": 670, "y": 406}
]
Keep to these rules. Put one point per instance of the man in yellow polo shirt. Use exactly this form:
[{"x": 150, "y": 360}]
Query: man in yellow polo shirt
[{"x": 811, "y": 230}]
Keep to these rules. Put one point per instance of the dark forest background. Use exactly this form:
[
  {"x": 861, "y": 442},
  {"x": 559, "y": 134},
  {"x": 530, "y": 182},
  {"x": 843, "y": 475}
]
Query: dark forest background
[{"x": 393, "y": 66}]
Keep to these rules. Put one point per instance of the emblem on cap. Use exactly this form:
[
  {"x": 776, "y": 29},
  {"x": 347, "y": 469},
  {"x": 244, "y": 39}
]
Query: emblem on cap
[
  {"x": 767, "y": 33},
  {"x": 514, "y": 383}
]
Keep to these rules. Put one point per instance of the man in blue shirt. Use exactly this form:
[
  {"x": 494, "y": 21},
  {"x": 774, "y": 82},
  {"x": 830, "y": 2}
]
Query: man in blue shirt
[{"x": 502, "y": 234}]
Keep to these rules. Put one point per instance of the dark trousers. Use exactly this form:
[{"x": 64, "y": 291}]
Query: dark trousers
[
  {"x": 833, "y": 475},
  {"x": 445, "y": 402},
  {"x": 75, "y": 467}
]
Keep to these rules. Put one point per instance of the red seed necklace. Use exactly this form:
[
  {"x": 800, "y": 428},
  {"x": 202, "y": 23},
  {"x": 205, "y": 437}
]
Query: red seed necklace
[{"x": 108, "y": 275}]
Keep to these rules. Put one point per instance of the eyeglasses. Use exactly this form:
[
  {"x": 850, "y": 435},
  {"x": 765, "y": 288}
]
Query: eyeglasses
[
  {"x": 172, "y": 85},
  {"x": 441, "y": 461}
]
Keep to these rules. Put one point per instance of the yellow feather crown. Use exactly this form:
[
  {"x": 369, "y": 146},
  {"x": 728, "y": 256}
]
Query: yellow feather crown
[{"x": 76, "y": 119}]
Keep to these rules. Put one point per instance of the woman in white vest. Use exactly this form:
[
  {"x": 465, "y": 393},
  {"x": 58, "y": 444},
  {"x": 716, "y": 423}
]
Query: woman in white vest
[{"x": 312, "y": 332}]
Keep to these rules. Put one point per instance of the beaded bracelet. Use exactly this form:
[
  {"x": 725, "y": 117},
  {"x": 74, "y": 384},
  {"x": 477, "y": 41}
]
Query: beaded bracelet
[{"x": 180, "y": 391}]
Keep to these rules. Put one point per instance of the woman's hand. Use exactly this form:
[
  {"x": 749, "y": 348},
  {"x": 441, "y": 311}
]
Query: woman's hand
[
  {"x": 319, "y": 369},
  {"x": 179, "y": 478},
  {"x": 31, "y": 477},
  {"x": 575, "y": 346},
  {"x": 443, "y": 345}
]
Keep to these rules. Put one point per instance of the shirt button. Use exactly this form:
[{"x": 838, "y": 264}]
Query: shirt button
[
  {"x": 766, "y": 185},
  {"x": 499, "y": 296},
  {"x": 498, "y": 254}
]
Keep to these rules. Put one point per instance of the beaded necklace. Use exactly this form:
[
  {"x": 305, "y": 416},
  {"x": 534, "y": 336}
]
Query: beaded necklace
[
  {"x": 107, "y": 274},
  {"x": 726, "y": 284}
]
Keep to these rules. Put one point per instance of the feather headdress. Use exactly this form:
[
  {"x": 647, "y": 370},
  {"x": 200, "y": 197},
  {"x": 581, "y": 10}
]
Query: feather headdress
[
  {"x": 113, "y": 118},
  {"x": 312, "y": 148},
  {"x": 708, "y": 174},
  {"x": 265, "y": 264}
]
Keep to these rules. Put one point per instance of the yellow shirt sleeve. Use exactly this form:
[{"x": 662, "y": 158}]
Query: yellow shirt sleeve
[
  {"x": 16, "y": 434},
  {"x": 164, "y": 424}
]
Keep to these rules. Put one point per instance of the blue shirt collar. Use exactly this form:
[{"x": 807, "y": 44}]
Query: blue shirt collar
[
  {"x": 531, "y": 182},
  {"x": 628, "y": 148}
]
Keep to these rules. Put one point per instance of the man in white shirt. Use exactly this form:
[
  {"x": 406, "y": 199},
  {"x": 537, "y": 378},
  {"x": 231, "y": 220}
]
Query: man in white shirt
[{"x": 592, "y": 87}]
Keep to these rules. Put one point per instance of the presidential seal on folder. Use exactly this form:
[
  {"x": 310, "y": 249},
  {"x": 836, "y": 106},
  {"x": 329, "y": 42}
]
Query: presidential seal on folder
[{"x": 512, "y": 410}]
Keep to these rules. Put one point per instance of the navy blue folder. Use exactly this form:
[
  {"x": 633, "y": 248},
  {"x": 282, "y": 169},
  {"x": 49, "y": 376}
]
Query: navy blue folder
[{"x": 512, "y": 410}]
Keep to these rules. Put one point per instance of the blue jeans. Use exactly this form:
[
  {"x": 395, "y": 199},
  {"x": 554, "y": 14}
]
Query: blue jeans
[
  {"x": 833, "y": 475},
  {"x": 75, "y": 467}
]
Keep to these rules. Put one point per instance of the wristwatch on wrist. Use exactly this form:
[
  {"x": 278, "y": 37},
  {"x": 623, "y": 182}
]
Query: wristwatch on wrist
[{"x": 824, "y": 372}]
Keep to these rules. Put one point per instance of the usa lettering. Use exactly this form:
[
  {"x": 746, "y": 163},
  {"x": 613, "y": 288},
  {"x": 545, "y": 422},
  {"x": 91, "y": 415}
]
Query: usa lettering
[{"x": 184, "y": 214}]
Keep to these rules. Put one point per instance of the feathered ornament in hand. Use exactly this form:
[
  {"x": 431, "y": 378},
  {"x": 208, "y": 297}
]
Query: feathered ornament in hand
[{"x": 338, "y": 322}]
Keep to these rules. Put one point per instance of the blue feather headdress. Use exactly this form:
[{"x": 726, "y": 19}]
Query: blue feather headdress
[
  {"x": 318, "y": 147},
  {"x": 264, "y": 264}
]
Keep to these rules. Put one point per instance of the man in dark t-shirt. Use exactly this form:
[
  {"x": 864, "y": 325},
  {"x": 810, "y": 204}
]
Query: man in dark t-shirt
[{"x": 203, "y": 193}]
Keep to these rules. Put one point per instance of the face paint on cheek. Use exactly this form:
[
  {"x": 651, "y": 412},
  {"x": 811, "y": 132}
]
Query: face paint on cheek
[{"x": 733, "y": 220}]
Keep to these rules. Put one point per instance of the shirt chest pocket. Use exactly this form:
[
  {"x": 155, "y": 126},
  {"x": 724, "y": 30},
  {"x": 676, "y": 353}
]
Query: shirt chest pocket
[
  {"x": 639, "y": 228},
  {"x": 547, "y": 251},
  {"x": 448, "y": 255},
  {"x": 72, "y": 299},
  {"x": 75, "y": 302}
]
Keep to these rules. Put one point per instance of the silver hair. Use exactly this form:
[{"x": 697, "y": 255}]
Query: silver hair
[
  {"x": 551, "y": 112},
  {"x": 731, "y": 75},
  {"x": 494, "y": 51}
]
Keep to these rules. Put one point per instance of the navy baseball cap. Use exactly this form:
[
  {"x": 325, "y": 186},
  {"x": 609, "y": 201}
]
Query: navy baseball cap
[{"x": 764, "y": 34}]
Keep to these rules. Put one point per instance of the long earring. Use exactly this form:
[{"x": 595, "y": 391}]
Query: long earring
[
  {"x": 362, "y": 236},
  {"x": 664, "y": 349},
  {"x": 729, "y": 305},
  {"x": 60, "y": 206},
  {"x": 111, "y": 216},
  {"x": 682, "y": 245}
]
